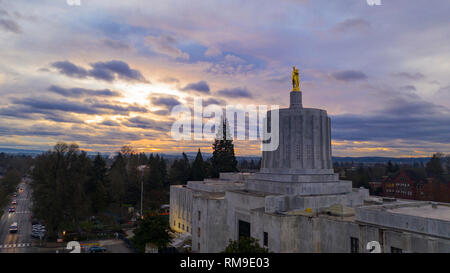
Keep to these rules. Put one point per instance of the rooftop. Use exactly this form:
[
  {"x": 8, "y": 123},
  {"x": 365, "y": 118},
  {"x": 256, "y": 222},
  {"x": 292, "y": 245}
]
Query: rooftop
[{"x": 442, "y": 212}]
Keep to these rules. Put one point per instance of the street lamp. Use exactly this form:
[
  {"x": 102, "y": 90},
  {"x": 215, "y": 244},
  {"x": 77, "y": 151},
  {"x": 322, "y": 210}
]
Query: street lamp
[{"x": 142, "y": 168}]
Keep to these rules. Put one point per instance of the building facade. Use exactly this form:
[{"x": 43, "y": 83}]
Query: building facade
[{"x": 297, "y": 204}]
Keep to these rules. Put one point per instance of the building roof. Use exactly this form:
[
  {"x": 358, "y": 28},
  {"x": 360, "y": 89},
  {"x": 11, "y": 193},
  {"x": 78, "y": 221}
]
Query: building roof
[{"x": 441, "y": 212}]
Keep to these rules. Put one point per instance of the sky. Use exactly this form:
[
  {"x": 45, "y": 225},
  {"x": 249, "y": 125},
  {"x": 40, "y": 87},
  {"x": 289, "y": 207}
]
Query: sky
[{"x": 105, "y": 74}]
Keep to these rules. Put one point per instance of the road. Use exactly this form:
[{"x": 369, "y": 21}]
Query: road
[{"x": 21, "y": 241}]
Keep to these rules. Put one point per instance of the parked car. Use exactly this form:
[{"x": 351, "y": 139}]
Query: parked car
[
  {"x": 11, "y": 209},
  {"x": 14, "y": 202},
  {"x": 96, "y": 249}
]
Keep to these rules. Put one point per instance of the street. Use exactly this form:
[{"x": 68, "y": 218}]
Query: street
[{"x": 21, "y": 241}]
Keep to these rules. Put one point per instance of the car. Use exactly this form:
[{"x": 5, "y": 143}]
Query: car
[
  {"x": 96, "y": 249},
  {"x": 14, "y": 228},
  {"x": 12, "y": 209},
  {"x": 14, "y": 202},
  {"x": 15, "y": 195}
]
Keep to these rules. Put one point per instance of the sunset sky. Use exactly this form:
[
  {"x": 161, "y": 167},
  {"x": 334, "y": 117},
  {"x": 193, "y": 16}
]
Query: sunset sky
[{"x": 107, "y": 73}]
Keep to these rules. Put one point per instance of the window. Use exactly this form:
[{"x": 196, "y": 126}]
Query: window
[
  {"x": 187, "y": 228},
  {"x": 198, "y": 247},
  {"x": 266, "y": 239},
  {"x": 175, "y": 223},
  {"x": 199, "y": 215},
  {"x": 396, "y": 250},
  {"x": 198, "y": 232},
  {"x": 354, "y": 245},
  {"x": 183, "y": 226},
  {"x": 179, "y": 225},
  {"x": 243, "y": 229}
]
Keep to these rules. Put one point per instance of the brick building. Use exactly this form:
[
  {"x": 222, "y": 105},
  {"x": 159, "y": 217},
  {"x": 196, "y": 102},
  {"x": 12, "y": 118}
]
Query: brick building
[{"x": 410, "y": 184}]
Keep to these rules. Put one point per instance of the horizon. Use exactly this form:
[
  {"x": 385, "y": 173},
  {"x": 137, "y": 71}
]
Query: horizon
[{"x": 106, "y": 74}]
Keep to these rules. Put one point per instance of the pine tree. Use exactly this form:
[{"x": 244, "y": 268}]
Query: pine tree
[
  {"x": 223, "y": 159},
  {"x": 198, "y": 168}
]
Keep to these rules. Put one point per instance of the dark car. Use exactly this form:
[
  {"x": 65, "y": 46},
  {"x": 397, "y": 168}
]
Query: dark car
[
  {"x": 96, "y": 249},
  {"x": 11, "y": 209}
]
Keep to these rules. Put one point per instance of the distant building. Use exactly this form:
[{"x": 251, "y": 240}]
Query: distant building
[{"x": 410, "y": 184}]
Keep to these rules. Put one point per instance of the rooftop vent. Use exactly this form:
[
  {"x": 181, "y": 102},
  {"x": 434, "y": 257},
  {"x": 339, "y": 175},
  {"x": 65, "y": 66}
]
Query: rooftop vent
[{"x": 434, "y": 205}]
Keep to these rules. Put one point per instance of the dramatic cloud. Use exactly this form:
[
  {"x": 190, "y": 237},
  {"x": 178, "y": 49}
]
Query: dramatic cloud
[
  {"x": 235, "y": 93},
  {"x": 427, "y": 122},
  {"x": 349, "y": 76},
  {"x": 88, "y": 106},
  {"x": 107, "y": 71},
  {"x": 81, "y": 92},
  {"x": 200, "y": 86}
]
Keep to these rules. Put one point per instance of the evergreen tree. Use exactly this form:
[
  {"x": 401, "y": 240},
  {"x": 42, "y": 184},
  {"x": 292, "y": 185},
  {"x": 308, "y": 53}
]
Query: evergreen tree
[
  {"x": 180, "y": 171},
  {"x": 223, "y": 159},
  {"x": 198, "y": 168},
  {"x": 434, "y": 166}
]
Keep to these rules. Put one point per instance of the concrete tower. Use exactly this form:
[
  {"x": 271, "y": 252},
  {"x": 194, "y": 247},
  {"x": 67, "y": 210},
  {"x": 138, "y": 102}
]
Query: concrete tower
[
  {"x": 301, "y": 165},
  {"x": 304, "y": 141}
]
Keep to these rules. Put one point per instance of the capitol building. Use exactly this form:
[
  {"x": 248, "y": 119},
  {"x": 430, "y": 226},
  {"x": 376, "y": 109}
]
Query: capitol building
[{"x": 297, "y": 204}]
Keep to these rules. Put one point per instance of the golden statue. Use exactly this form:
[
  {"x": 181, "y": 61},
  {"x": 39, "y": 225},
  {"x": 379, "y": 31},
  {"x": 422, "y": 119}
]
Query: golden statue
[{"x": 295, "y": 79}]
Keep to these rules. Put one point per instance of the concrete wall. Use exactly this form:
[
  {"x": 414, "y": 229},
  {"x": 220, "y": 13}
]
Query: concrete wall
[
  {"x": 210, "y": 229},
  {"x": 180, "y": 209}
]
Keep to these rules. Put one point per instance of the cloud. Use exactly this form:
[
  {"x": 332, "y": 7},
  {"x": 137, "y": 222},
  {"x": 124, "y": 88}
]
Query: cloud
[
  {"x": 405, "y": 117},
  {"x": 166, "y": 45},
  {"x": 88, "y": 106},
  {"x": 61, "y": 105},
  {"x": 69, "y": 69},
  {"x": 81, "y": 92},
  {"x": 107, "y": 71},
  {"x": 356, "y": 24},
  {"x": 120, "y": 68},
  {"x": 200, "y": 86},
  {"x": 349, "y": 75},
  {"x": 109, "y": 122},
  {"x": 212, "y": 52},
  {"x": 116, "y": 44},
  {"x": 116, "y": 107},
  {"x": 165, "y": 101},
  {"x": 410, "y": 76},
  {"x": 235, "y": 93},
  {"x": 10, "y": 25},
  {"x": 145, "y": 123}
]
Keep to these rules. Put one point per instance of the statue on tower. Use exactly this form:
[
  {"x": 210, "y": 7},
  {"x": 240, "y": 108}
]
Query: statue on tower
[{"x": 295, "y": 79}]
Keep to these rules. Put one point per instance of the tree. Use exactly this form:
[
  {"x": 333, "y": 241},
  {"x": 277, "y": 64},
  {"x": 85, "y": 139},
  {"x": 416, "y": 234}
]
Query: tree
[
  {"x": 245, "y": 245},
  {"x": 198, "y": 168},
  {"x": 180, "y": 171},
  {"x": 152, "y": 229},
  {"x": 223, "y": 159},
  {"x": 434, "y": 166}
]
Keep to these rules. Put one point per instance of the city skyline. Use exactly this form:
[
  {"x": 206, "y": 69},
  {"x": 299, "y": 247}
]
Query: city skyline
[{"x": 106, "y": 74}]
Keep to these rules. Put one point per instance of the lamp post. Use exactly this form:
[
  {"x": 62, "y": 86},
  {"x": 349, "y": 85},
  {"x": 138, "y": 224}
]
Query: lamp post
[{"x": 142, "y": 168}]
